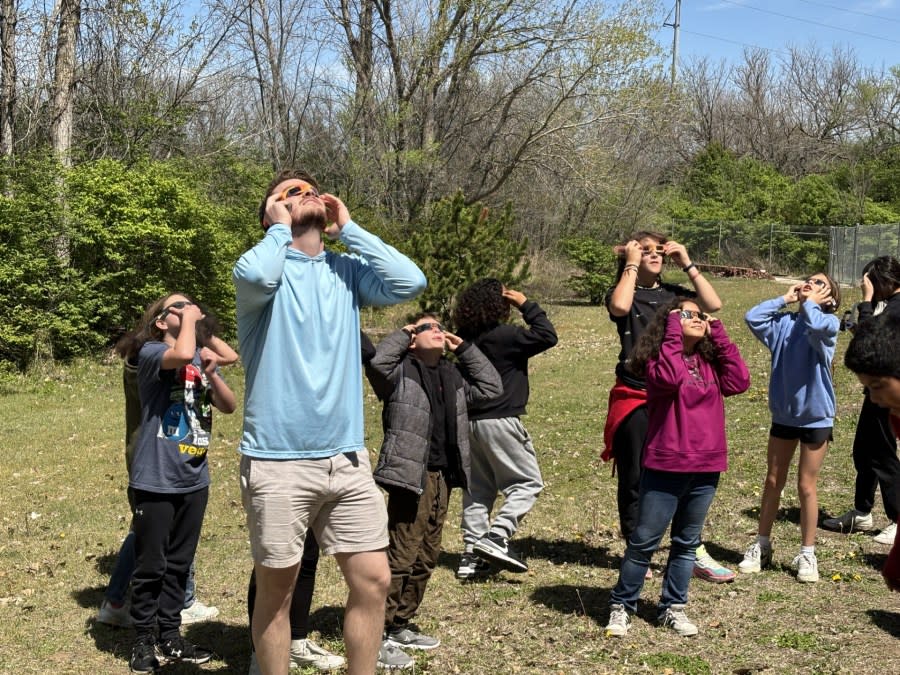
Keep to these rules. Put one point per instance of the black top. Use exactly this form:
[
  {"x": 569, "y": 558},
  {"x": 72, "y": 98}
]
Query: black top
[
  {"x": 891, "y": 308},
  {"x": 437, "y": 446},
  {"x": 508, "y": 348},
  {"x": 631, "y": 326}
]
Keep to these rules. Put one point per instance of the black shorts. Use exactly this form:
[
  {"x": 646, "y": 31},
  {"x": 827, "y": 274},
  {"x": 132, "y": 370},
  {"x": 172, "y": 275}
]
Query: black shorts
[{"x": 815, "y": 436}]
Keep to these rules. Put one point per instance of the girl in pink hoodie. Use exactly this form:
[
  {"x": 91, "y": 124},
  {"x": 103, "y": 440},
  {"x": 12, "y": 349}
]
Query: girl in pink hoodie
[{"x": 690, "y": 365}]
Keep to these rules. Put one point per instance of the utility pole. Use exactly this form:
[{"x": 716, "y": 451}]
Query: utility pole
[{"x": 676, "y": 28}]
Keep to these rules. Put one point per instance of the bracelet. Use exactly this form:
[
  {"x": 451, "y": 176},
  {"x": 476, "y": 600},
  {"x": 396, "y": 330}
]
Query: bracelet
[
  {"x": 630, "y": 266},
  {"x": 688, "y": 268}
]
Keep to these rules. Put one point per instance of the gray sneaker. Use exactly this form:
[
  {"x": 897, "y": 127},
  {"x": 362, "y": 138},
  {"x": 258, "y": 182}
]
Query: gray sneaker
[
  {"x": 495, "y": 549},
  {"x": 408, "y": 637},
  {"x": 391, "y": 658},
  {"x": 471, "y": 566},
  {"x": 852, "y": 521},
  {"x": 675, "y": 618},
  {"x": 619, "y": 621}
]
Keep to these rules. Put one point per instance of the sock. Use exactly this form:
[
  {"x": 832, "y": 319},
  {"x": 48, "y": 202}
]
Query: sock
[
  {"x": 765, "y": 543},
  {"x": 808, "y": 550}
]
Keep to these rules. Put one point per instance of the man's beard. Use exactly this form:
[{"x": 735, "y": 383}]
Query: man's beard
[{"x": 307, "y": 220}]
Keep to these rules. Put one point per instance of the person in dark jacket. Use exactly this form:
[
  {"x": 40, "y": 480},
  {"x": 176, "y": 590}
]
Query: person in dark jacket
[
  {"x": 425, "y": 454},
  {"x": 503, "y": 457},
  {"x": 874, "y": 445}
]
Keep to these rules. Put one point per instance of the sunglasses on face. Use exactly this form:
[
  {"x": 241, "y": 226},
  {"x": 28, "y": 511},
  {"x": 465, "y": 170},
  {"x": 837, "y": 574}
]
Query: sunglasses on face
[
  {"x": 821, "y": 283},
  {"x": 302, "y": 190},
  {"x": 688, "y": 314},
  {"x": 428, "y": 325},
  {"x": 659, "y": 249},
  {"x": 180, "y": 304}
]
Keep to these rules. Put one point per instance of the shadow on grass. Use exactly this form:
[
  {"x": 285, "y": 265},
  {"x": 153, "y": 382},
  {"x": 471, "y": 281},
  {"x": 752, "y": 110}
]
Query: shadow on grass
[
  {"x": 566, "y": 599},
  {"x": 587, "y": 601},
  {"x": 557, "y": 552},
  {"x": 889, "y": 622},
  {"x": 230, "y": 644}
]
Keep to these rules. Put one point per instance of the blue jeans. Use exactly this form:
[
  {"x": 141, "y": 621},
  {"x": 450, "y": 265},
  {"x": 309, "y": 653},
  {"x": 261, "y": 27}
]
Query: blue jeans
[
  {"x": 117, "y": 591},
  {"x": 683, "y": 500}
]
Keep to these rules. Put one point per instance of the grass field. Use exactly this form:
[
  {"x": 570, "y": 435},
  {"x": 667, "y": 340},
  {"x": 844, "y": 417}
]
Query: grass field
[{"x": 64, "y": 512}]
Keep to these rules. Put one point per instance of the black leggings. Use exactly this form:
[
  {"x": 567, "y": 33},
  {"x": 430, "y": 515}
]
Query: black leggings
[
  {"x": 303, "y": 590},
  {"x": 629, "y": 446},
  {"x": 875, "y": 459}
]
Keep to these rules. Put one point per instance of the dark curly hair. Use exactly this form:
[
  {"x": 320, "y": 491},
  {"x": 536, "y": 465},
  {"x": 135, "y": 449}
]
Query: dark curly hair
[
  {"x": 884, "y": 273},
  {"x": 650, "y": 341},
  {"x": 873, "y": 349},
  {"x": 480, "y": 307}
]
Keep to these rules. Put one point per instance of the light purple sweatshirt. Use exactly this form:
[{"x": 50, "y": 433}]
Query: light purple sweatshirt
[{"x": 685, "y": 402}]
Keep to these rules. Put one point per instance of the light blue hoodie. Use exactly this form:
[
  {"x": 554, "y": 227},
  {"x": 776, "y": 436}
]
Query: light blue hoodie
[
  {"x": 801, "y": 390},
  {"x": 298, "y": 327}
]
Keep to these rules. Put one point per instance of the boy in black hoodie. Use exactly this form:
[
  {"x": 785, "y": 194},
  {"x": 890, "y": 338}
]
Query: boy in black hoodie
[{"x": 503, "y": 457}]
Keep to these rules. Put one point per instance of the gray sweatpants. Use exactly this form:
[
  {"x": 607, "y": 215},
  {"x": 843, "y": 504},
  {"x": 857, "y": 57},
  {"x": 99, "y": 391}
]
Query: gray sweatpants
[{"x": 503, "y": 460}]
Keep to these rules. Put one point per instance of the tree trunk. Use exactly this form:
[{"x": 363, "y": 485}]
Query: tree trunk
[
  {"x": 64, "y": 80},
  {"x": 8, "y": 19}
]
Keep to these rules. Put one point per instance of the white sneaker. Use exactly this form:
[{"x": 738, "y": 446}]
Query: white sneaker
[
  {"x": 887, "y": 535},
  {"x": 114, "y": 616},
  {"x": 619, "y": 621},
  {"x": 807, "y": 567},
  {"x": 852, "y": 521},
  {"x": 197, "y": 613},
  {"x": 755, "y": 559},
  {"x": 306, "y": 653}
]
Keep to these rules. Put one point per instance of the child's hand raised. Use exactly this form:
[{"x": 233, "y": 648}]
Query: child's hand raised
[
  {"x": 793, "y": 294},
  {"x": 209, "y": 361},
  {"x": 451, "y": 341}
]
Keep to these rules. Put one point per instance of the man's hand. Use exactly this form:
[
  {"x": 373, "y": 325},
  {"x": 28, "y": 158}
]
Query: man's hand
[
  {"x": 337, "y": 215},
  {"x": 514, "y": 298},
  {"x": 278, "y": 211},
  {"x": 451, "y": 341}
]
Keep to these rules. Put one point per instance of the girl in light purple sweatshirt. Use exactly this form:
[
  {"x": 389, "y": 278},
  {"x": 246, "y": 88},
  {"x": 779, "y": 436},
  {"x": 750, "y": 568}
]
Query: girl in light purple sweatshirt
[{"x": 690, "y": 365}]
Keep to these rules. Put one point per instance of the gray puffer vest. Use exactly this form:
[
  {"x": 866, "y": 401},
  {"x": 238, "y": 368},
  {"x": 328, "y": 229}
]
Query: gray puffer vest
[{"x": 395, "y": 375}]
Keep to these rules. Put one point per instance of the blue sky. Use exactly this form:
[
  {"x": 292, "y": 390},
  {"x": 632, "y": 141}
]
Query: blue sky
[{"x": 721, "y": 29}]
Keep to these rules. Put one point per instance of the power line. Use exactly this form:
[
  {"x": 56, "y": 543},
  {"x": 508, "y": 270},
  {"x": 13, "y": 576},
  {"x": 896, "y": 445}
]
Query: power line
[
  {"x": 810, "y": 21},
  {"x": 735, "y": 42},
  {"x": 851, "y": 11}
]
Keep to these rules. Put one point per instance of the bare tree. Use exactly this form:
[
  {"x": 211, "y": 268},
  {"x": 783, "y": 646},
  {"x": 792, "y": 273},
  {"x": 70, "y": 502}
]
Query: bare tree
[
  {"x": 9, "y": 10},
  {"x": 470, "y": 92},
  {"x": 63, "y": 101}
]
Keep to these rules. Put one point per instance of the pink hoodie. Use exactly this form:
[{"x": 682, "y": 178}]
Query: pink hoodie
[{"x": 685, "y": 401}]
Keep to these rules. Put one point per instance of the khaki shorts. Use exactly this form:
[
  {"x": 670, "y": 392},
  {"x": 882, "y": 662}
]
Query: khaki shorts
[{"x": 335, "y": 496}]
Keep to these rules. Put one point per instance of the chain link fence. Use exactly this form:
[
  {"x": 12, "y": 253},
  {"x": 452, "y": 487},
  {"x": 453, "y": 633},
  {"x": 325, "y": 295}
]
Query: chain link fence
[
  {"x": 852, "y": 247},
  {"x": 775, "y": 248}
]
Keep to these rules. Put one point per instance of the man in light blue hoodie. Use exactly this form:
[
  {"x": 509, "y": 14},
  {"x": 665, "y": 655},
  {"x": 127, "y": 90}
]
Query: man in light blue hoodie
[{"x": 304, "y": 462}]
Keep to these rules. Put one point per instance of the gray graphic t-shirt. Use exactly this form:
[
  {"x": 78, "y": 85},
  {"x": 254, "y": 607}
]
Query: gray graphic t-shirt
[{"x": 176, "y": 424}]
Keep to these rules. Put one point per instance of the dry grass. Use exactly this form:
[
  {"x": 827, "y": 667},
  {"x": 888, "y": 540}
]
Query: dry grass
[{"x": 64, "y": 512}]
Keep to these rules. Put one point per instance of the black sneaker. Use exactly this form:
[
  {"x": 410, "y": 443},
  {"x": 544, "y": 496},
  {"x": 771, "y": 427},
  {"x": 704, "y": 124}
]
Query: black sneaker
[
  {"x": 471, "y": 566},
  {"x": 179, "y": 649},
  {"x": 143, "y": 655},
  {"x": 495, "y": 549}
]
